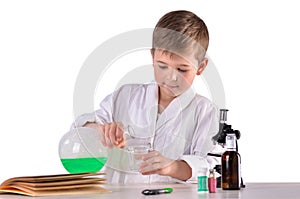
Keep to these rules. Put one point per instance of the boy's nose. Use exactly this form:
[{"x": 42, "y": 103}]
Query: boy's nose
[{"x": 173, "y": 76}]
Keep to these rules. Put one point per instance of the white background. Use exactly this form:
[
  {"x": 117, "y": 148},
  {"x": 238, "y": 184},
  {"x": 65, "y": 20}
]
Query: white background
[{"x": 254, "y": 45}]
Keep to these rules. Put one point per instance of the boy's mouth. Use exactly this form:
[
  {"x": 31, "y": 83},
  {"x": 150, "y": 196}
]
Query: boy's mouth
[{"x": 170, "y": 86}]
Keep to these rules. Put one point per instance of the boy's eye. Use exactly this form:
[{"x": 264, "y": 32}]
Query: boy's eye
[
  {"x": 162, "y": 67},
  {"x": 182, "y": 70}
]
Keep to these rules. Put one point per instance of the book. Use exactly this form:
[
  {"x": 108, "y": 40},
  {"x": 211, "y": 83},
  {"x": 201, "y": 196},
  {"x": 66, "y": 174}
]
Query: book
[{"x": 61, "y": 184}]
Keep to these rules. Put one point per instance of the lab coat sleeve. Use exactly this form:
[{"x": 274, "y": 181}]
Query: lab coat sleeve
[
  {"x": 202, "y": 142},
  {"x": 102, "y": 115}
]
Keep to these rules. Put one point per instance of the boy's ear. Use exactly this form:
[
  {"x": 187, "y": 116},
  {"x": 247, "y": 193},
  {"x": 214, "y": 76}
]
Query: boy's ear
[
  {"x": 152, "y": 52},
  {"x": 202, "y": 66}
]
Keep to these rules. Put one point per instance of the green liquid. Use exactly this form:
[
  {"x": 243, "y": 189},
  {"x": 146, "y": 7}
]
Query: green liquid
[
  {"x": 202, "y": 184},
  {"x": 82, "y": 165}
]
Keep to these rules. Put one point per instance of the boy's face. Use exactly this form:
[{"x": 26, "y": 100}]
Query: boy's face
[{"x": 175, "y": 74}]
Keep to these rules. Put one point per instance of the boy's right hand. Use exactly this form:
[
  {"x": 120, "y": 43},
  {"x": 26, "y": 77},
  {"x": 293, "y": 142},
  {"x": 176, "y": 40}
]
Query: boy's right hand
[{"x": 111, "y": 134}]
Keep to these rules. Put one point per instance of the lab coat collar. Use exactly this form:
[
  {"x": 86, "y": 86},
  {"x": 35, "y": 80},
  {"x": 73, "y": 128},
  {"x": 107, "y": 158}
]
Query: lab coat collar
[{"x": 175, "y": 108}]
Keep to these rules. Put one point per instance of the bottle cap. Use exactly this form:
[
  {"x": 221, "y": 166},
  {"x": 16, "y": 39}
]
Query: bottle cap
[
  {"x": 230, "y": 141},
  {"x": 212, "y": 173}
]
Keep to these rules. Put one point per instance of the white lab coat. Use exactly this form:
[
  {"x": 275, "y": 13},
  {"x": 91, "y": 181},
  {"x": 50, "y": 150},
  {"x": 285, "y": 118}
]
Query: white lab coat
[{"x": 183, "y": 131}]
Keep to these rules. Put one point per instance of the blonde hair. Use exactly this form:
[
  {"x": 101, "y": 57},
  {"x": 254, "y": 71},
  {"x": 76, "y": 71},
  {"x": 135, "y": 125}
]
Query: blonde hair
[{"x": 181, "y": 32}]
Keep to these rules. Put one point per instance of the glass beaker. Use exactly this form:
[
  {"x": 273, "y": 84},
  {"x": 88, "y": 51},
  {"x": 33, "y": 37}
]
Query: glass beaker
[
  {"x": 136, "y": 146},
  {"x": 136, "y": 149}
]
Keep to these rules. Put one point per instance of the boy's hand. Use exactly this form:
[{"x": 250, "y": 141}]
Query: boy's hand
[
  {"x": 155, "y": 163},
  {"x": 111, "y": 134}
]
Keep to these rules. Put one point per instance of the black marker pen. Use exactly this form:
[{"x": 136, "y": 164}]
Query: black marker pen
[{"x": 157, "y": 191}]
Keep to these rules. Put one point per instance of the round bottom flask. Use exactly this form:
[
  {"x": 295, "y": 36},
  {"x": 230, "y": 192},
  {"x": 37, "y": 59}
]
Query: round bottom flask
[{"x": 81, "y": 150}]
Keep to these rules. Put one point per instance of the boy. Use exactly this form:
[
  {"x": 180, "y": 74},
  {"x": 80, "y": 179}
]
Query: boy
[{"x": 179, "y": 123}]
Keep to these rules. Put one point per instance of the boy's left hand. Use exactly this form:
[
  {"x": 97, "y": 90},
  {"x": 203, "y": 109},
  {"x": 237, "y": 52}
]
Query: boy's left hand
[{"x": 155, "y": 163}]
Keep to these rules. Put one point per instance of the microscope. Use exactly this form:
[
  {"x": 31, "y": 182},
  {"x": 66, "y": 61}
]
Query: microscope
[{"x": 220, "y": 138}]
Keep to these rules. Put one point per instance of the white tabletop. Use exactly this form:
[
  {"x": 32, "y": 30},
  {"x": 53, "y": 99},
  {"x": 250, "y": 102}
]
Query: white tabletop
[{"x": 189, "y": 191}]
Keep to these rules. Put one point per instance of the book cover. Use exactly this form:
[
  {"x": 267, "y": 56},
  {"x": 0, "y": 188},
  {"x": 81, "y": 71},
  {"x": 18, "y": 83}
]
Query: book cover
[{"x": 61, "y": 184}]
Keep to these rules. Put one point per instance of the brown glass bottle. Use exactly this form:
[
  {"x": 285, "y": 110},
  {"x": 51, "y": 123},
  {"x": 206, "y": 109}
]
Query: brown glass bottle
[{"x": 231, "y": 165}]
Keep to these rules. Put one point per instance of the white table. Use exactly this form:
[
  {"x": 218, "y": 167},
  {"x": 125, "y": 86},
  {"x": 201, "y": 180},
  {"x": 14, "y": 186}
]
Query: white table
[{"x": 189, "y": 191}]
